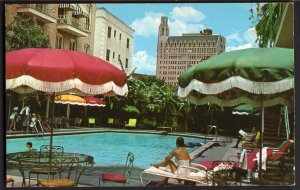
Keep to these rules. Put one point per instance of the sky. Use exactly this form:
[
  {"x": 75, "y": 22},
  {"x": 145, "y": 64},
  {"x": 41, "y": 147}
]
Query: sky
[{"x": 230, "y": 20}]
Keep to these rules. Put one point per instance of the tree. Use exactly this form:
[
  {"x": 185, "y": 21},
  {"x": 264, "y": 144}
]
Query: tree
[
  {"x": 24, "y": 32},
  {"x": 267, "y": 21}
]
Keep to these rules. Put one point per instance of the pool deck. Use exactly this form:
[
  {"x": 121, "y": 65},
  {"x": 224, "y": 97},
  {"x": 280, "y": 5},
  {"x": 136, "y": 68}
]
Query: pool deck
[
  {"x": 85, "y": 130},
  {"x": 212, "y": 150}
]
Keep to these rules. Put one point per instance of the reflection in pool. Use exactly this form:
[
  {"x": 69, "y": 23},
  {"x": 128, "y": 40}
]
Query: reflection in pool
[{"x": 109, "y": 148}]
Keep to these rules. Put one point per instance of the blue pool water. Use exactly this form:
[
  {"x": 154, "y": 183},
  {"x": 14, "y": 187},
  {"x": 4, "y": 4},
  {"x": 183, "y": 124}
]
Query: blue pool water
[{"x": 109, "y": 148}]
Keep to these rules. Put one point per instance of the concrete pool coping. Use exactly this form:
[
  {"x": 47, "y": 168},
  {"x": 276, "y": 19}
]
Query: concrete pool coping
[{"x": 83, "y": 130}]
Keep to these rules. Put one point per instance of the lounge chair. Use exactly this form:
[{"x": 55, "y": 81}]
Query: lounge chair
[
  {"x": 221, "y": 172},
  {"x": 110, "y": 122},
  {"x": 280, "y": 152},
  {"x": 119, "y": 178},
  {"x": 131, "y": 123},
  {"x": 92, "y": 121},
  {"x": 78, "y": 121},
  {"x": 113, "y": 122},
  {"x": 196, "y": 175}
]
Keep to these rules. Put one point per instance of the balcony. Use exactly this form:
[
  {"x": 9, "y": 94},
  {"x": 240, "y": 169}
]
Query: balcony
[
  {"x": 72, "y": 26},
  {"x": 38, "y": 11}
]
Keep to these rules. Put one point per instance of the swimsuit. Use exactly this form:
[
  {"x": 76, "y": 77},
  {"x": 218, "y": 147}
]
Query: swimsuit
[{"x": 182, "y": 171}]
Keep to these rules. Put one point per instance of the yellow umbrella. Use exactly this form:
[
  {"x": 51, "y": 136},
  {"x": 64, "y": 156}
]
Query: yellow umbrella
[{"x": 69, "y": 99}]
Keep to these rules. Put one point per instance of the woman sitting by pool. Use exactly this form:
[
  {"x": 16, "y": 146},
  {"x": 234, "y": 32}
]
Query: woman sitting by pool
[{"x": 182, "y": 158}]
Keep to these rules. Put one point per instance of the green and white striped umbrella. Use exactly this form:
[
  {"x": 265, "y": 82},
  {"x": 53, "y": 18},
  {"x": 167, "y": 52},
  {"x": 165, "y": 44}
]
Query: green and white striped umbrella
[
  {"x": 256, "y": 76},
  {"x": 243, "y": 109}
]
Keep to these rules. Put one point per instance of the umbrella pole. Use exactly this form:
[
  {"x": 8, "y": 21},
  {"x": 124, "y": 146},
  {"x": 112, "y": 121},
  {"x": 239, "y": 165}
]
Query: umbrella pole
[
  {"x": 261, "y": 143},
  {"x": 68, "y": 112},
  {"x": 85, "y": 113},
  {"x": 47, "y": 108},
  {"x": 51, "y": 132}
]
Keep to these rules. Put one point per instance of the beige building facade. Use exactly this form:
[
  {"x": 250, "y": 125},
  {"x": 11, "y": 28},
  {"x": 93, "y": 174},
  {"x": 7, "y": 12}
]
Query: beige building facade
[
  {"x": 114, "y": 40},
  {"x": 69, "y": 26},
  {"x": 177, "y": 53}
]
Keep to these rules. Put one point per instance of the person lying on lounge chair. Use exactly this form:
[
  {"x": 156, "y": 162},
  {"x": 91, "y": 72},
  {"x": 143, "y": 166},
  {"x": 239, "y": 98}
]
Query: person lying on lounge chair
[
  {"x": 246, "y": 136},
  {"x": 182, "y": 158}
]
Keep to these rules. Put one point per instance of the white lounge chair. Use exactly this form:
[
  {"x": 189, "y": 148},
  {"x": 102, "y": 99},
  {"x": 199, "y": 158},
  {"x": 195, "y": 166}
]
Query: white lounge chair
[{"x": 196, "y": 175}]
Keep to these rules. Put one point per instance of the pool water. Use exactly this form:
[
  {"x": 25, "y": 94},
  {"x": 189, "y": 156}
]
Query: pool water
[{"x": 109, "y": 148}]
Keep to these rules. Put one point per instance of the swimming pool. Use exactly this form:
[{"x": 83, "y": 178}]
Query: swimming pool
[{"x": 109, "y": 148}]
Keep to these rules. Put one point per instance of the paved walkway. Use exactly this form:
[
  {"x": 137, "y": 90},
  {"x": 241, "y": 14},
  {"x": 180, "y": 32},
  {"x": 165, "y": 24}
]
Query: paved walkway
[{"x": 213, "y": 150}]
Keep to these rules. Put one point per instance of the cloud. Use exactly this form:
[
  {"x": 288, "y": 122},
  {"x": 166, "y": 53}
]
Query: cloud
[
  {"x": 236, "y": 42},
  {"x": 181, "y": 20},
  {"x": 148, "y": 25},
  {"x": 250, "y": 35},
  {"x": 234, "y": 37},
  {"x": 145, "y": 63},
  {"x": 188, "y": 14}
]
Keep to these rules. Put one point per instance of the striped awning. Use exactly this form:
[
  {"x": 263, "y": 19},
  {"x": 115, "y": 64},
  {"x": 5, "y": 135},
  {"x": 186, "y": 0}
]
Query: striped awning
[
  {"x": 79, "y": 9},
  {"x": 68, "y": 6}
]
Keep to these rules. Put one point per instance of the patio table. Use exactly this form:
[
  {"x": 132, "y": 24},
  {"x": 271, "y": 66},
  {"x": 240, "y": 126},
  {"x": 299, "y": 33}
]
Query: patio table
[
  {"x": 12, "y": 158},
  {"x": 33, "y": 160}
]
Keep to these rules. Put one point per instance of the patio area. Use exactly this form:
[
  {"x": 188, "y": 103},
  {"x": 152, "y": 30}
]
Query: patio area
[{"x": 220, "y": 150}]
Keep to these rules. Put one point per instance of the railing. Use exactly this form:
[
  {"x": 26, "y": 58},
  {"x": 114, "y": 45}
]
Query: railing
[
  {"x": 39, "y": 7},
  {"x": 73, "y": 22},
  {"x": 287, "y": 123}
]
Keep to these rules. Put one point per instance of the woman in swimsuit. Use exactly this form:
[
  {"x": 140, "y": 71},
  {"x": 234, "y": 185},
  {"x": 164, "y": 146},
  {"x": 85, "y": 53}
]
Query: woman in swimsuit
[{"x": 182, "y": 158}]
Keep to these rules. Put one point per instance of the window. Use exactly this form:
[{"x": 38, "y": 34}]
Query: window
[
  {"x": 86, "y": 48},
  {"x": 126, "y": 63},
  {"x": 120, "y": 36},
  {"x": 113, "y": 55},
  {"x": 87, "y": 21},
  {"x": 107, "y": 54},
  {"x": 59, "y": 42},
  {"x": 109, "y": 32},
  {"x": 72, "y": 45},
  {"x": 61, "y": 12},
  {"x": 127, "y": 44},
  {"x": 115, "y": 33}
]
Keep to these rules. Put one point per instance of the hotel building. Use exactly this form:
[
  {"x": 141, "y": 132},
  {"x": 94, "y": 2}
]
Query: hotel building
[
  {"x": 69, "y": 26},
  {"x": 177, "y": 53},
  {"x": 113, "y": 39}
]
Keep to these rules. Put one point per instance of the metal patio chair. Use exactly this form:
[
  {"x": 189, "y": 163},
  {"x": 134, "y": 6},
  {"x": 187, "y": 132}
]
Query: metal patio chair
[{"x": 119, "y": 178}]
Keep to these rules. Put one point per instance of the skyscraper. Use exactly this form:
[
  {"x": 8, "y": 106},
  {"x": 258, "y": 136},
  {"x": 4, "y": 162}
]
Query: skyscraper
[{"x": 176, "y": 53}]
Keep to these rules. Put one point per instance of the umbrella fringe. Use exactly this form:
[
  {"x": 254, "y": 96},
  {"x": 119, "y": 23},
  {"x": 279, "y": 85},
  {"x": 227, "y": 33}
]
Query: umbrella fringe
[
  {"x": 237, "y": 101},
  {"x": 237, "y": 82},
  {"x": 79, "y": 104},
  {"x": 108, "y": 88}
]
